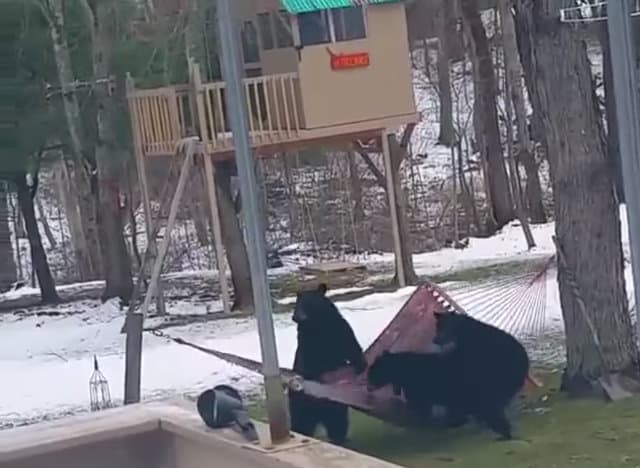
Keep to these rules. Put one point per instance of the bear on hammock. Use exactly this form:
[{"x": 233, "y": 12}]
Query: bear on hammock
[
  {"x": 478, "y": 371},
  {"x": 326, "y": 342}
]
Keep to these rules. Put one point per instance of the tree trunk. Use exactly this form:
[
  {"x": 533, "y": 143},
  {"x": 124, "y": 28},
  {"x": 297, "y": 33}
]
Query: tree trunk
[
  {"x": 233, "y": 240},
  {"x": 586, "y": 212},
  {"x": 45, "y": 224},
  {"x": 26, "y": 194},
  {"x": 446, "y": 136},
  {"x": 115, "y": 257},
  {"x": 398, "y": 154},
  {"x": 536, "y": 130},
  {"x": 8, "y": 273},
  {"x": 613, "y": 142},
  {"x": 292, "y": 205},
  {"x": 525, "y": 150},
  {"x": 490, "y": 224},
  {"x": 197, "y": 211},
  {"x": 72, "y": 214},
  {"x": 87, "y": 249},
  {"x": 485, "y": 80},
  {"x": 355, "y": 185}
]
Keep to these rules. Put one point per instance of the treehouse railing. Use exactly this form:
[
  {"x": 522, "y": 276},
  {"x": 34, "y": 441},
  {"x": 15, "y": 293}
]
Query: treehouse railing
[
  {"x": 155, "y": 117},
  {"x": 164, "y": 115},
  {"x": 274, "y": 110}
]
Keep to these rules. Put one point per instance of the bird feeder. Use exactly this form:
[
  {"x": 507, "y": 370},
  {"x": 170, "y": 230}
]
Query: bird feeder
[{"x": 99, "y": 389}]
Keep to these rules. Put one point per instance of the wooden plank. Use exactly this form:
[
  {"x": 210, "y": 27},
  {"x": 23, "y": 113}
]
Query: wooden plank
[{"x": 332, "y": 267}]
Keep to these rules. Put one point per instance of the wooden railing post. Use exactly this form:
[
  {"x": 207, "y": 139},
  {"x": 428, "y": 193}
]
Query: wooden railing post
[{"x": 195, "y": 83}]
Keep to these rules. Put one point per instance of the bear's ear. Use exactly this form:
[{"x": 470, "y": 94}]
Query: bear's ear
[
  {"x": 322, "y": 288},
  {"x": 439, "y": 315}
]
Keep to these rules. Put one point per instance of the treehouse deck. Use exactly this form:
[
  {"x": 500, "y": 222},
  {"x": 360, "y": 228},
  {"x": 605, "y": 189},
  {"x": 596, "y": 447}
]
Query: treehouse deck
[{"x": 162, "y": 116}]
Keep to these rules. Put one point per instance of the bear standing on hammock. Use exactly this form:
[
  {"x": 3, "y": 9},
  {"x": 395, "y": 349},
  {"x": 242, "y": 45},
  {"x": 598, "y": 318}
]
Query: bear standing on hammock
[{"x": 326, "y": 342}]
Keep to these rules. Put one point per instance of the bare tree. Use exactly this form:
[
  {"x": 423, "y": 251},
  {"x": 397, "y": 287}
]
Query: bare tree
[
  {"x": 26, "y": 194},
  {"x": 8, "y": 273},
  {"x": 586, "y": 211},
  {"x": 487, "y": 129},
  {"x": 361, "y": 234},
  {"x": 83, "y": 221},
  {"x": 446, "y": 136},
  {"x": 233, "y": 239},
  {"x": 42, "y": 214},
  {"x": 514, "y": 79},
  {"x": 115, "y": 257}
]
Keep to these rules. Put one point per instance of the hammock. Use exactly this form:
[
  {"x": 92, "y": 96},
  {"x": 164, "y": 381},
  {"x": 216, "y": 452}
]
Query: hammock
[{"x": 412, "y": 329}]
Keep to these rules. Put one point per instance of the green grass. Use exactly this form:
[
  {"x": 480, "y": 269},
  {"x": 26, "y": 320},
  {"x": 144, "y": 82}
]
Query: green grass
[{"x": 552, "y": 432}]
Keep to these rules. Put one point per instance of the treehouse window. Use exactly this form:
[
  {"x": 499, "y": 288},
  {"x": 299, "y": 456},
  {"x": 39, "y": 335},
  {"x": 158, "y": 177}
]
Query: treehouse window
[
  {"x": 275, "y": 30},
  {"x": 284, "y": 38},
  {"x": 314, "y": 28},
  {"x": 250, "y": 48},
  {"x": 266, "y": 32},
  {"x": 341, "y": 24},
  {"x": 348, "y": 24}
]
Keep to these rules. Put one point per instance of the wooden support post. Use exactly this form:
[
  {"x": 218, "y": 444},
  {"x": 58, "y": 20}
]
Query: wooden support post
[
  {"x": 198, "y": 100},
  {"x": 144, "y": 189},
  {"x": 192, "y": 147},
  {"x": 134, "y": 322},
  {"x": 133, "y": 359},
  {"x": 393, "y": 209},
  {"x": 217, "y": 232}
]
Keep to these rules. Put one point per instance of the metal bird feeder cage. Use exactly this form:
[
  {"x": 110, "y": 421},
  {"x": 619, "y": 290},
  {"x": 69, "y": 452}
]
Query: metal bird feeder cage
[{"x": 99, "y": 389}]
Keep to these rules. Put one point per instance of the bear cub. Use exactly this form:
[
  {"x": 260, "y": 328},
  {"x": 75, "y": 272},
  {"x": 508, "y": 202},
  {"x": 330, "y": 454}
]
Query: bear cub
[{"x": 326, "y": 342}]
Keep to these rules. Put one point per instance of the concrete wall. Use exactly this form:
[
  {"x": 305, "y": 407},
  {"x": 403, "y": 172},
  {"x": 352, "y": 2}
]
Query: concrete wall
[
  {"x": 155, "y": 449},
  {"x": 187, "y": 453},
  {"x": 147, "y": 450}
]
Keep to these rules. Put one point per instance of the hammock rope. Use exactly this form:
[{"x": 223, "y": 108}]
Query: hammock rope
[{"x": 516, "y": 304}]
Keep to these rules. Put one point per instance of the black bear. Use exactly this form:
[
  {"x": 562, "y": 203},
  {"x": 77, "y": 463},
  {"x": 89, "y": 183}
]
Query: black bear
[
  {"x": 422, "y": 378},
  {"x": 326, "y": 342},
  {"x": 478, "y": 372}
]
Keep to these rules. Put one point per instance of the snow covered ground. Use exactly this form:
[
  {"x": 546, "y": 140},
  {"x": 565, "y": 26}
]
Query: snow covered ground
[{"x": 46, "y": 360}]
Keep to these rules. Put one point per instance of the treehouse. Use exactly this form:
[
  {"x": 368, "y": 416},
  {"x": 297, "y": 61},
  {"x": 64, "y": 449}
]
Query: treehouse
[
  {"x": 323, "y": 72},
  {"x": 316, "y": 73}
]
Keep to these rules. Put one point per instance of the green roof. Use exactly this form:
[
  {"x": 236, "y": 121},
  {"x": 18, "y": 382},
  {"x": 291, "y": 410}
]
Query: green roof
[{"x": 304, "y": 6}]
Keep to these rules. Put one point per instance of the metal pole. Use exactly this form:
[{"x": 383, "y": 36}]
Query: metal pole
[
  {"x": 237, "y": 108},
  {"x": 625, "y": 89}
]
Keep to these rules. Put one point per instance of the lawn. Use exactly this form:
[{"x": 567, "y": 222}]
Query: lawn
[{"x": 552, "y": 432}]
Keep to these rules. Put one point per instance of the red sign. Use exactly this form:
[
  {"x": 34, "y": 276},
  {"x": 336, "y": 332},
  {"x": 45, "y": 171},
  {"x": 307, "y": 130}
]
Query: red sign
[{"x": 349, "y": 61}]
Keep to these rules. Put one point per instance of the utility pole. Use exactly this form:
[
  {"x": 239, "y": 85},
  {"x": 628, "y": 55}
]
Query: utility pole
[
  {"x": 626, "y": 92},
  {"x": 237, "y": 108}
]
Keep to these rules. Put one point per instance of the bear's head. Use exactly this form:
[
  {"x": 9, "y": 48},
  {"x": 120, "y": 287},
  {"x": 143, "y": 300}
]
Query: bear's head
[
  {"x": 381, "y": 371},
  {"x": 312, "y": 305},
  {"x": 448, "y": 328}
]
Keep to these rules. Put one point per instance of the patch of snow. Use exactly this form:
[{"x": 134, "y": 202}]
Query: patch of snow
[{"x": 330, "y": 293}]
